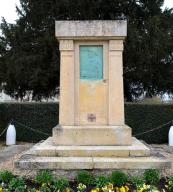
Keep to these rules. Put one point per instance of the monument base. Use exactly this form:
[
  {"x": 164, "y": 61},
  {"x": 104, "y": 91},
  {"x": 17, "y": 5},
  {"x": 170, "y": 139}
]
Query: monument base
[
  {"x": 45, "y": 155},
  {"x": 92, "y": 135}
]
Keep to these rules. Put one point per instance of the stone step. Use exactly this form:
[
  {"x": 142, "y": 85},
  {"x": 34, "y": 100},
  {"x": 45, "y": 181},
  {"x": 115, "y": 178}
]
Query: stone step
[
  {"x": 46, "y": 149},
  {"x": 76, "y": 163}
]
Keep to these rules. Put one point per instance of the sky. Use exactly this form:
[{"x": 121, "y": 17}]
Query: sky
[{"x": 7, "y": 9}]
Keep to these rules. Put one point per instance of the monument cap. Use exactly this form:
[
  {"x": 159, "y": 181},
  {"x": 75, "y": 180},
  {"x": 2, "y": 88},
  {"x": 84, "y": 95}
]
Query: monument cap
[{"x": 94, "y": 29}]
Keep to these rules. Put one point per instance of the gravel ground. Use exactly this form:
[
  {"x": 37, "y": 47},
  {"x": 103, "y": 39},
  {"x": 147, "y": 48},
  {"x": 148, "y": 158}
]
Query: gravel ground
[
  {"x": 2, "y": 145},
  {"x": 8, "y": 164},
  {"x": 167, "y": 151}
]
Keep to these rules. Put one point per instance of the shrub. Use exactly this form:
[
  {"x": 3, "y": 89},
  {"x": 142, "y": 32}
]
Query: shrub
[
  {"x": 152, "y": 176},
  {"x": 101, "y": 181},
  {"x": 17, "y": 184},
  {"x": 137, "y": 182},
  {"x": 44, "y": 177},
  {"x": 44, "y": 189},
  {"x": 170, "y": 183},
  {"x": 61, "y": 184},
  {"x": 6, "y": 176},
  {"x": 85, "y": 178},
  {"x": 118, "y": 178}
]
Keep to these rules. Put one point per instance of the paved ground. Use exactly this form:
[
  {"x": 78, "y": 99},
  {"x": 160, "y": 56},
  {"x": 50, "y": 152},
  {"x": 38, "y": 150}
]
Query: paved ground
[{"x": 10, "y": 154}]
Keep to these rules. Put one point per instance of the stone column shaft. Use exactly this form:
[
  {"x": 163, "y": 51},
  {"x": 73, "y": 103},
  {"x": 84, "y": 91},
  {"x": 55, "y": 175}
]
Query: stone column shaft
[
  {"x": 116, "y": 98},
  {"x": 66, "y": 108}
]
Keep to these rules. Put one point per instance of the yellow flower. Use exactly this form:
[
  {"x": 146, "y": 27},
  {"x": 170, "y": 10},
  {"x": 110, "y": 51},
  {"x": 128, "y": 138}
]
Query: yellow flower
[
  {"x": 67, "y": 190},
  {"x": 1, "y": 190},
  {"x": 140, "y": 190},
  {"x": 104, "y": 188},
  {"x": 127, "y": 188},
  {"x": 43, "y": 184},
  {"x": 146, "y": 186},
  {"x": 143, "y": 188},
  {"x": 109, "y": 187},
  {"x": 122, "y": 189},
  {"x": 81, "y": 187},
  {"x": 95, "y": 190}
]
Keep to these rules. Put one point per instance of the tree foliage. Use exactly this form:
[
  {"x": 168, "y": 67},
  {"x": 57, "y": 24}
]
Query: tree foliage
[{"x": 29, "y": 56}]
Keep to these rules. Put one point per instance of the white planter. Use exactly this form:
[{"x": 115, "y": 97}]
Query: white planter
[
  {"x": 170, "y": 136},
  {"x": 11, "y": 135}
]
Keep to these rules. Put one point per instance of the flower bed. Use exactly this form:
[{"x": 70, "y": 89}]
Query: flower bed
[{"x": 86, "y": 182}]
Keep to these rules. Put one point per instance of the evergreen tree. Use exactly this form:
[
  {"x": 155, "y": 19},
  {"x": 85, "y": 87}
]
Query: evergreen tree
[{"x": 29, "y": 56}]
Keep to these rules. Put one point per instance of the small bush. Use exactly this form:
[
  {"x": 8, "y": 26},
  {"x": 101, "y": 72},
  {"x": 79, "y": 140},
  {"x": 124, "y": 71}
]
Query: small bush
[
  {"x": 137, "y": 182},
  {"x": 6, "y": 176},
  {"x": 101, "y": 181},
  {"x": 61, "y": 184},
  {"x": 45, "y": 189},
  {"x": 44, "y": 177},
  {"x": 118, "y": 178},
  {"x": 85, "y": 178},
  {"x": 152, "y": 176},
  {"x": 17, "y": 184},
  {"x": 170, "y": 183}
]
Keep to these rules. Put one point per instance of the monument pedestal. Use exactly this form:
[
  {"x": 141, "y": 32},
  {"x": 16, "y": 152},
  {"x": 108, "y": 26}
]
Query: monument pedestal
[
  {"x": 48, "y": 149},
  {"x": 92, "y": 135},
  {"x": 131, "y": 158}
]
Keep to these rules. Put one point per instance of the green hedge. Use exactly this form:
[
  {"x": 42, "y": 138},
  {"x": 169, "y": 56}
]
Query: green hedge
[
  {"x": 38, "y": 116},
  {"x": 143, "y": 117},
  {"x": 44, "y": 116}
]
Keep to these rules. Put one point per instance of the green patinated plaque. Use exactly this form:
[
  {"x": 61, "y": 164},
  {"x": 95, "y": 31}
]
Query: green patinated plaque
[{"x": 91, "y": 62}]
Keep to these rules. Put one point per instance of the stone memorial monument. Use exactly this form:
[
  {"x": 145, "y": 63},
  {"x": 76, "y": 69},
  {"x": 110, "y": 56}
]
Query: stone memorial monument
[
  {"x": 91, "y": 84},
  {"x": 91, "y": 133}
]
